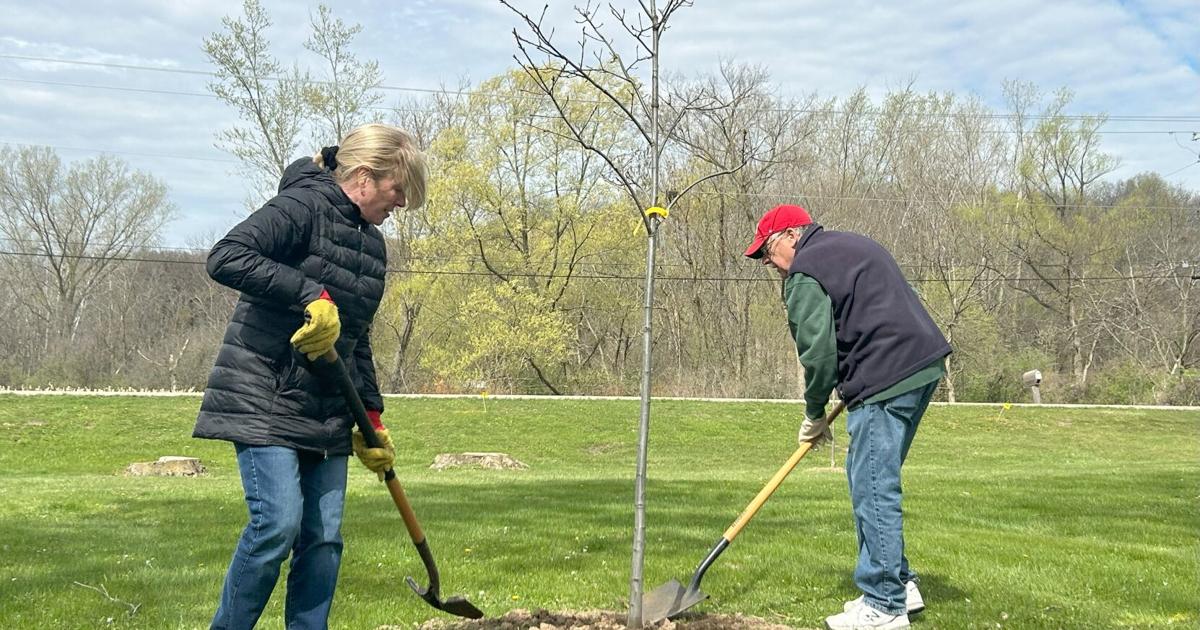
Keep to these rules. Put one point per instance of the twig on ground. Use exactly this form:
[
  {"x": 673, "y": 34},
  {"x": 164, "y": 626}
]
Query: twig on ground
[{"x": 133, "y": 608}]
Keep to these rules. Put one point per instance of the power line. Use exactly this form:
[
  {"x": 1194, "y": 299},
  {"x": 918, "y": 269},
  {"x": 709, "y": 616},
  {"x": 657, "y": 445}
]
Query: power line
[
  {"x": 775, "y": 194},
  {"x": 545, "y": 276},
  {"x": 926, "y": 131},
  {"x": 446, "y": 92},
  {"x": 119, "y": 88},
  {"x": 208, "y": 73},
  {"x": 117, "y": 152},
  {"x": 611, "y": 263},
  {"x": 1175, "y": 172}
]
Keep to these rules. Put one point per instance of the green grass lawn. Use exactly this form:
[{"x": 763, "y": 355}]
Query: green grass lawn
[{"x": 1030, "y": 518}]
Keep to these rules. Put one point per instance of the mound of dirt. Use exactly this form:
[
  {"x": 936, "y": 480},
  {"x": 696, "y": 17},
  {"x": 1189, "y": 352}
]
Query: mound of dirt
[
  {"x": 521, "y": 619},
  {"x": 492, "y": 461}
]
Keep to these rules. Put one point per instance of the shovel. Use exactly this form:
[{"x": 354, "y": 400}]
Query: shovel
[
  {"x": 672, "y": 598},
  {"x": 455, "y": 605}
]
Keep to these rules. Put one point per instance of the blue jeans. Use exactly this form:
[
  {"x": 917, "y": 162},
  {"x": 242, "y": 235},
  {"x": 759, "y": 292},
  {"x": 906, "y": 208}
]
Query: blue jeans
[
  {"x": 295, "y": 500},
  {"x": 880, "y": 435}
]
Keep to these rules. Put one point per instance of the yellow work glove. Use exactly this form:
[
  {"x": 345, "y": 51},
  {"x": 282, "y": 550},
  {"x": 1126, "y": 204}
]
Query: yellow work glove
[
  {"x": 377, "y": 460},
  {"x": 321, "y": 328}
]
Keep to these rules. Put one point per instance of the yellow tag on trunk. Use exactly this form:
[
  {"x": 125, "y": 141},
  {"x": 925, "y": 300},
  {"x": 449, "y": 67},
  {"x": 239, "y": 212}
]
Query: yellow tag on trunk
[{"x": 657, "y": 210}]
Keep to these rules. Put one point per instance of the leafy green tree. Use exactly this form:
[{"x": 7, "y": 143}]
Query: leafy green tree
[
  {"x": 524, "y": 203},
  {"x": 1058, "y": 240},
  {"x": 501, "y": 332}
]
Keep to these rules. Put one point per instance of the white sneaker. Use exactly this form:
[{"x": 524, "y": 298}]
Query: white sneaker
[
  {"x": 866, "y": 618},
  {"x": 915, "y": 603}
]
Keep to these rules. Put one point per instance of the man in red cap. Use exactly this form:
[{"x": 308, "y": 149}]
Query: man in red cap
[{"x": 860, "y": 327}]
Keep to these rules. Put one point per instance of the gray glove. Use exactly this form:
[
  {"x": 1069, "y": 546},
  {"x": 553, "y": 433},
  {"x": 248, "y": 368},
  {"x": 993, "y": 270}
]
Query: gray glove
[{"x": 815, "y": 431}]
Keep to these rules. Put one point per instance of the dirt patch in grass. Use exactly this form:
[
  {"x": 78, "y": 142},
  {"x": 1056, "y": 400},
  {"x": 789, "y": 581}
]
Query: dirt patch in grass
[
  {"x": 33, "y": 423},
  {"x": 596, "y": 620},
  {"x": 601, "y": 449}
]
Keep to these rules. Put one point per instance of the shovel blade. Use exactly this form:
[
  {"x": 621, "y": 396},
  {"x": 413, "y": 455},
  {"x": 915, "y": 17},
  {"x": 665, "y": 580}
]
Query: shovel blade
[
  {"x": 669, "y": 600},
  {"x": 460, "y": 607},
  {"x": 456, "y": 605}
]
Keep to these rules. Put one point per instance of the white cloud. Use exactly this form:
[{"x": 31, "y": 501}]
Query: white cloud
[{"x": 1121, "y": 57}]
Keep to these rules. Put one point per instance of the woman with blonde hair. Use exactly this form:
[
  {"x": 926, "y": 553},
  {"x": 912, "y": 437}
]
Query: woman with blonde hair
[{"x": 310, "y": 268}]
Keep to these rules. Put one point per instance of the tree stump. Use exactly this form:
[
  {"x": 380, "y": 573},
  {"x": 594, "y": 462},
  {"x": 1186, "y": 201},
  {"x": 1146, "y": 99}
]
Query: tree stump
[
  {"x": 491, "y": 461},
  {"x": 167, "y": 466}
]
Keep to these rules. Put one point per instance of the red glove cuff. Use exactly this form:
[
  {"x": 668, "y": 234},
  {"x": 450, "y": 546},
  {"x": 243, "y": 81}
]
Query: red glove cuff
[
  {"x": 325, "y": 296},
  {"x": 373, "y": 415}
]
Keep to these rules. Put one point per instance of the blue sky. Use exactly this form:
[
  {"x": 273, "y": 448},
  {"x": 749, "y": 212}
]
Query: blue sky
[{"x": 1124, "y": 58}]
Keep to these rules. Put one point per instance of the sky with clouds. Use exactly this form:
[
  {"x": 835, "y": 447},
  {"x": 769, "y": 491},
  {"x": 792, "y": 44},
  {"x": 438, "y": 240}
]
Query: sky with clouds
[{"x": 1124, "y": 58}]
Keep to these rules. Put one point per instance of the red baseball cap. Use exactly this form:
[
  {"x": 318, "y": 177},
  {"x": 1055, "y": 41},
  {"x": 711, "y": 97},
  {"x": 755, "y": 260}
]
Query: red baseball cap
[{"x": 775, "y": 220}]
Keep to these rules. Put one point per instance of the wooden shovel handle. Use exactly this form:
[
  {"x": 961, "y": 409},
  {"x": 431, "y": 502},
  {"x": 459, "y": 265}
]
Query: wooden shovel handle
[
  {"x": 364, "y": 426},
  {"x": 775, "y": 481},
  {"x": 406, "y": 511}
]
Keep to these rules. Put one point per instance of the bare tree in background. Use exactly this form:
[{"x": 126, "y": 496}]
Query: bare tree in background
[
  {"x": 68, "y": 227},
  {"x": 1056, "y": 233},
  {"x": 1062, "y": 159},
  {"x": 344, "y": 98},
  {"x": 1153, "y": 315},
  {"x": 710, "y": 320},
  {"x": 278, "y": 105},
  {"x": 941, "y": 159},
  {"x": 250, "y": 79}
]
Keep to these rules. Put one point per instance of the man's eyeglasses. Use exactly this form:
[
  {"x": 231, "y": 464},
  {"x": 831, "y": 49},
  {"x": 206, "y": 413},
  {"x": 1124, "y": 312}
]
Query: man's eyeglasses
[{"x": 774, "y": 238}]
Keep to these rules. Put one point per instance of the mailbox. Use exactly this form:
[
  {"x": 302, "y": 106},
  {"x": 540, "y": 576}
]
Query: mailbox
[{"x": 1032, "y": 380}]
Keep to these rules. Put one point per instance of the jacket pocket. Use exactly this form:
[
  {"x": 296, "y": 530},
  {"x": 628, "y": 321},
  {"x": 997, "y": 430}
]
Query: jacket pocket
[{"x": 298, "y": 374}]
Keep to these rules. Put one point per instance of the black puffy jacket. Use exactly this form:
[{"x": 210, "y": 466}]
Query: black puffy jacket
[{"x": 307, "y": 239}]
